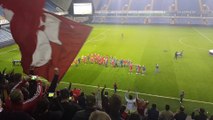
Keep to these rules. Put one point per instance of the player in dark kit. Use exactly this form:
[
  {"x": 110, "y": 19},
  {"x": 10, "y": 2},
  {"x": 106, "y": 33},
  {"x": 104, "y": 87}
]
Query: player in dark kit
[
  {"x": 115, "y": 87},
  {"x": 176, "y": 55},
  {"x": 181, "y": 96},
  {"x": 122, "y": 36}
]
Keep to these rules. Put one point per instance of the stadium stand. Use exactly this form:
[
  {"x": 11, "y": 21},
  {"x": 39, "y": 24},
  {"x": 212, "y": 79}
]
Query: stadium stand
[
  {"x": 189, "y": 5},
  {"x": 102, "y": 5},
  {"x": 139, "y": 4},
  {"x": 5, "y": 38},
  {"x": 189, "y": 21},
  {"x": 163, "y": 5},
  {"x": 176, "y": 12},
  {"x": 158, "y": 20},
  {"x": 113, "y": 20},
  {"x": 1, "y": 12},
  {"x": 209, "y": 4},
  {"x": 135, "y": 20},
  {"x": 72, "y": 104},
  {"x": 118, "y": 5},
  {"x": 63, "y": 5},
  {"x": 51, "y": 7},
  {"x": 96, "y": 3},
  {"x": 210, "y": 21}
]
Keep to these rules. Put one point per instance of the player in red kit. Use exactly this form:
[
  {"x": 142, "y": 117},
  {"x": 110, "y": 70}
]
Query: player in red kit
[{"x": 130, "y": 68}]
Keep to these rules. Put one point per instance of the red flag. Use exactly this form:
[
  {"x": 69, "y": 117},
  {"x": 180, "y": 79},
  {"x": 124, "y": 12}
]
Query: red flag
[{"x": 46, "y": 40}]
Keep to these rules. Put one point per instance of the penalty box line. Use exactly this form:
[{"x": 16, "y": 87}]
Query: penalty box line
[{"x": 140, "y": 93}]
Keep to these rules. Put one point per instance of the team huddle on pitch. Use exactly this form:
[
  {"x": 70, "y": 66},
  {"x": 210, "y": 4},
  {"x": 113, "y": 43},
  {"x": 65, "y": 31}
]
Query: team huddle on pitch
[{"x": 109, "y": 61}]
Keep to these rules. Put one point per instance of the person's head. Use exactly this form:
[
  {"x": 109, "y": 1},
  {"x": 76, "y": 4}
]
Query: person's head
[
  {"x": 90, "y": 100},
  {"x": 42, "y": 106},
  {"x": 17, "y": 77},
  {"x": 16, "y": 96},
  {"x": 167, "y": 107},
  {"x": 154, "y": 106},
  {"x": 99, "y": 115},
  {"x": 65, "y": 94},
  {"x": 106, "y": 93},
  {"x": 130, "y": 97},
  {"x": 202, "y": 111},
  {"x": 134, "y": 116},
  {"x": 82, "y": 94}
]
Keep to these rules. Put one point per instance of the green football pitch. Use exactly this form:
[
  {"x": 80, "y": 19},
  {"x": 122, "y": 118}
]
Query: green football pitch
[{"x": 145, "y": 45}]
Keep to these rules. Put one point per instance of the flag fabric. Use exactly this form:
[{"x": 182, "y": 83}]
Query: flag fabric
[{"x": 45, "y": 40}]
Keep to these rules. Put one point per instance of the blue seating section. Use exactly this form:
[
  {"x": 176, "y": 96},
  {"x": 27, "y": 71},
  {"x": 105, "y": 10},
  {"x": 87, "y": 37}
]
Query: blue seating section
[
  {"x": 188, "y": 12},
  {"x": 111, "y": 20},
  {"x": 102, "y": 3},
  {"x": 118, "y": 4},
  {"x": 189, "y": 21},
  {"x": 1, "y": 11},
  {"x": 50, "y": 6},
  {"x": 159, "y": 20},
  {"x": 210, "y": 21},
  {"x": 188, "y": 5},
  {"x": 139, "y": 4},
  {"x": 162, "y": 5},
  {"x": 152, "y": 20},
  {"x": 135, "y": 20},
  {"x": 209, "y": 3},
  {"x": 5, "y": 36}
]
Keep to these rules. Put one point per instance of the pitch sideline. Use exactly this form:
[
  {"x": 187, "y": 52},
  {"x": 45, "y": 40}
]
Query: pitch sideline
[{"x": 145, "y": 94}]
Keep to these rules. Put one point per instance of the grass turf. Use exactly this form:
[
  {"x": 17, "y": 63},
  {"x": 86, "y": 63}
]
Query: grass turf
[{"x": 146, "y": 45}]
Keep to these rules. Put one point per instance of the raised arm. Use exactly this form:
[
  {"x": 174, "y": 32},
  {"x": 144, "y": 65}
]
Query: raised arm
[
  {"x": 54, "y": 82},
  {"x": 127, "y": 96},
  {"x": 102, "y": 92}
]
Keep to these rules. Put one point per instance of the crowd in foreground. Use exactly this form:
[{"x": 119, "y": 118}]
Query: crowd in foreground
[{"x": 28, "y": 98}]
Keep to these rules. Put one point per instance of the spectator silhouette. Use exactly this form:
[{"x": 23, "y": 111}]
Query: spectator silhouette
[
  {"x": 99, "y": 115},
  {"x": 200, "y": 116},
  {"x": 42, "y": 111},
  {"x": 166, "y": 114},
  {"x": 180, "y": 115},
  {"x": 90, "y": 107},
  {"x": 115, "y": 106},
  {"x": 105, "y": 100},
  {"x": 70, "y": 108},
  {"x": 153, "y": 113}
]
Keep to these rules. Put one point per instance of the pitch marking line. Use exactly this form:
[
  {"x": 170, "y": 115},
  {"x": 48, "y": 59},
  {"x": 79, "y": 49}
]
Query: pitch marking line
[
  {"x": 207, "y": 38},
  {"x": 145, "y": 94},
  {"x": 4, "y": 52},
  {"x": 190, "y": 46},
  {"x": 94, "y": 39}
]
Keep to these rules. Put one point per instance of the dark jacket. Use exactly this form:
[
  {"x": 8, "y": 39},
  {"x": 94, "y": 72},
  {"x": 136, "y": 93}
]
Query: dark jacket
[
  {"x": 201, "y": 116},
  {"x": 180, "y": 116},
  {"x": 153, "y": 114},
  {"x": 83, "y": 114},
  {"x": 69, "y": 110}
]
